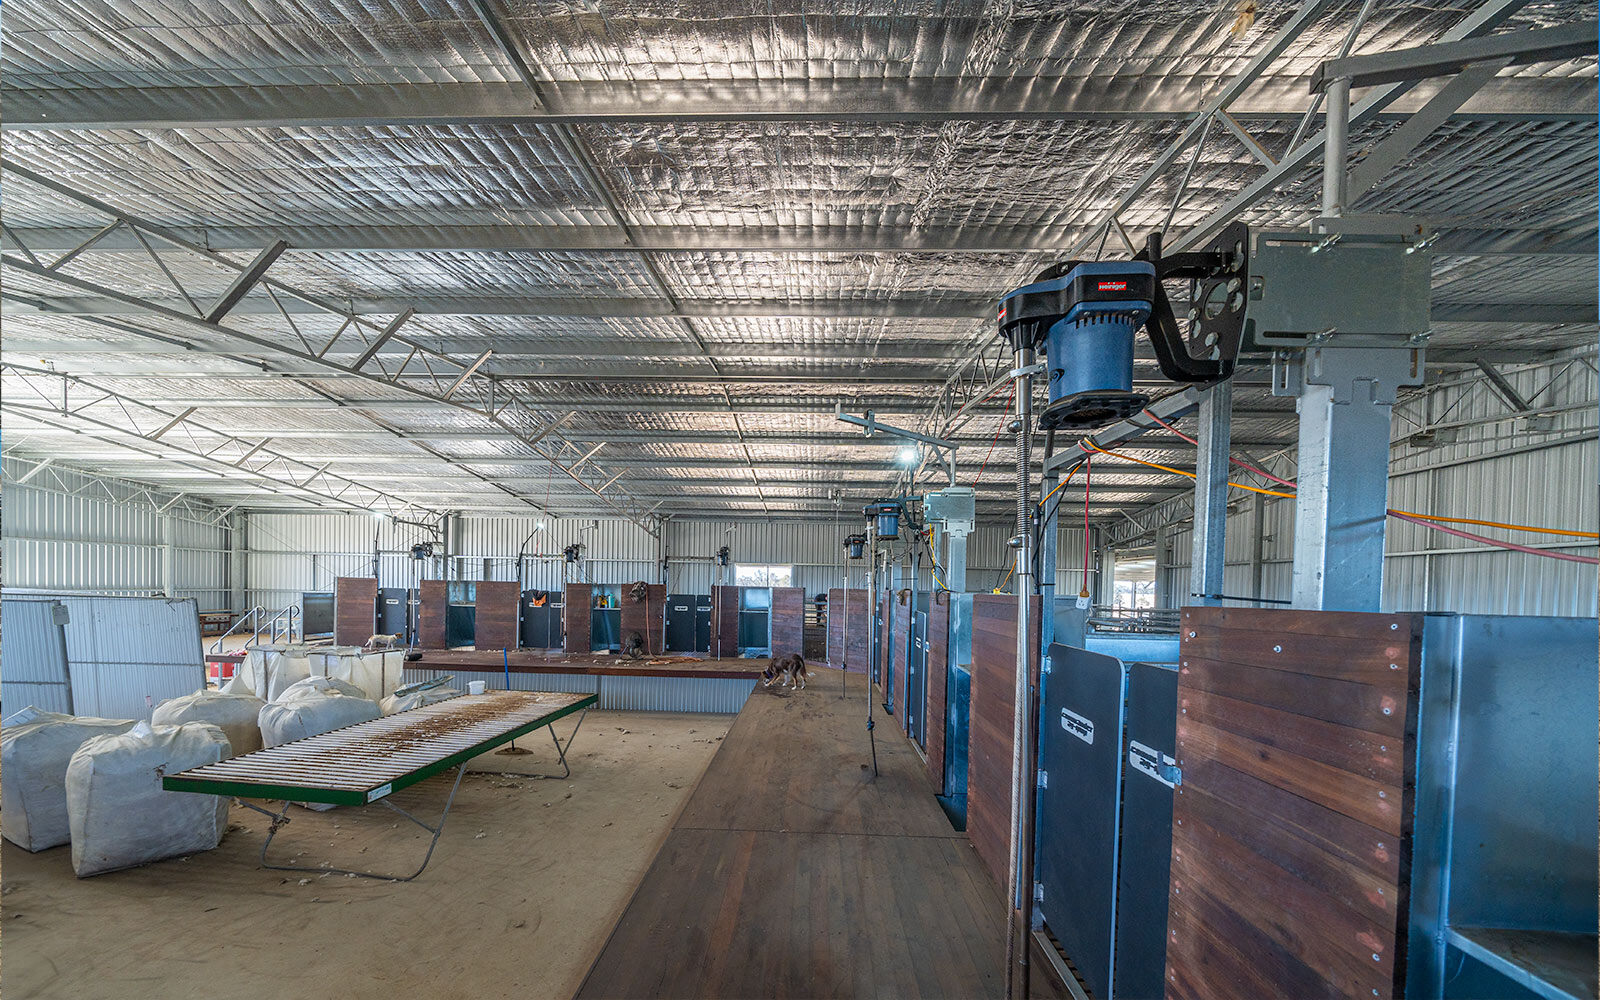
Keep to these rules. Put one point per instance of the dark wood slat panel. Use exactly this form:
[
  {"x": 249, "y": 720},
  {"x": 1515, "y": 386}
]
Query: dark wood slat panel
[
  {"x": 1341, "y": 951},
  {"x": 497, "y": 615},
  {"x": 1351, "y": 624},
  {"x": 432, "y": 610},
  {"x": 788, "y": 620},
  {"x": 646, "y": 617},
  {"x": 1291, "y": 838},
  {"x": 1351, "y": 884},
  {"x": 994, "y": 659},
  {"x": 1355, "y": 750},
  {"x": 1343, "y": 703},
  {"x": 858, "y": 622},
  {"x": 938, "y": 647},
  {"x": 901, "y": 634},
  {"x": 575, "y": 621},
  {"x": 725, "y": 621},
  {"x": 1362, "y": 799},
  {"x": 355, "y": 610},
  {"x": 885, "y": 647},
  {"x": 1342, "y": 657}
]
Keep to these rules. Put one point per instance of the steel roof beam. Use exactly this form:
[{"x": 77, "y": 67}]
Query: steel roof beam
[
  {"x": 367, "y": 238},
  {"x": 964, "y": 308},
  {"x": 1110, "y": 98}
]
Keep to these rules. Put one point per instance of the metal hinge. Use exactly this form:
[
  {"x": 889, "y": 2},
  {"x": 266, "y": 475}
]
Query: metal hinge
[
  {"x": 1162, "y": 767},
  {"x": 1044, "y": 778},
  {"x": 1077, "y": 725}
]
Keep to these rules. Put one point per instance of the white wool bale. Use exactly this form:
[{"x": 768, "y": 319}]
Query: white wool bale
[
  {"x": 268, "y": 669},
  {"x": 313, "y": 708},
  {"x": 416, "y": 699},
  {"x": 314, "y": 686},
  {"x": 35, "y": 748},
  {"x": 234, "y": 714},
  {"x": 119, "y": 813}
]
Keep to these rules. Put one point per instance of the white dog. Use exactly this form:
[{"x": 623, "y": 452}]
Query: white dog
[{"x": 383, "y": 641}]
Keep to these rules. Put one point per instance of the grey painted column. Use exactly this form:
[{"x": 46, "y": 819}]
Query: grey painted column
[
  {"x": 238, "y": 564},
  {"x": 1342, "y": 498},
  {"x": 1211, "y": 495},
  {"x": 1258, "y": 517}
]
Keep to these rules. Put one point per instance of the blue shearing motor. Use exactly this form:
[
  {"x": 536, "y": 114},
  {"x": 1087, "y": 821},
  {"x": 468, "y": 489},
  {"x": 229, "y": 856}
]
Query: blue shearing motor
[
  {"x": 886, "y": 513},
  {"x": 1086, "y": 314},
  {"x": 1090, "y": 315}
]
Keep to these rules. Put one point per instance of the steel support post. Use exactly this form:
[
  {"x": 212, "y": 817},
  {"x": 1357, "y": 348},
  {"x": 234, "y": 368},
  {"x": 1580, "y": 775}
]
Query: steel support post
[
  {"x": 1334, "y": 184},
  {"x": 955, "y": 561},
  {"x": 1342, "y": 496},
  {"x": 1162, "y": 591},
  {"x": 1018, "y": 881},
  {"x": 1211, "y": 495}
]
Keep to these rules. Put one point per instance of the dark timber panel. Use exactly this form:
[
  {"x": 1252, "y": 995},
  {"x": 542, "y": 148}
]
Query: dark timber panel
[
  {"x": 724, "y": 621},
  {"x": 793, "y": 873},
  {"x": 355, "y": 610},
  {"x": 858, "y": 622},
  {"x": 646, "y": 617},
  {"x": 433, "y": 607},
  {"x": 575, "y": 622},
  {"x": 788, "y": 620},
  {"x": 497, "y": 614},
  {"x": 885, "y": 643},
  {"x": 994, "y": 671},
  {"x": 938, "y": 644},
  {"x": 901, "y": 634},
  {"x": 1291, "y": 836}
]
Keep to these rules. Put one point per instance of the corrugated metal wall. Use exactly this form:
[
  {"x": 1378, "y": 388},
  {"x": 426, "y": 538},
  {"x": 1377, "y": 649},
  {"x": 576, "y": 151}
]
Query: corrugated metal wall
[
  {"x": 60, "y": 543},
  {"x": 293, "y": 553},
  {"x": 1539, "y": 471}
]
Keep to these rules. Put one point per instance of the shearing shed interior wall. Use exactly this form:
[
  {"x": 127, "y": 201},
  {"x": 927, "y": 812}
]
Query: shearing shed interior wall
[
  {"x": 1539, "y": 468},
  {"x": 70, "y": 533}
]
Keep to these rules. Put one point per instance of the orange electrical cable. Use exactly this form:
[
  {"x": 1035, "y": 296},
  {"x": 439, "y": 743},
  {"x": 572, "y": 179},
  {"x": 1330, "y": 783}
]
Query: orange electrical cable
[{"x": 1391, "y": 510}]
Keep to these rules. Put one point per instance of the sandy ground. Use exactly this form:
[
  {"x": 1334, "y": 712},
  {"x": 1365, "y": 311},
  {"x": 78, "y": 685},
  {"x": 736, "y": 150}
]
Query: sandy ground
[{"x": 527, "y": 882}]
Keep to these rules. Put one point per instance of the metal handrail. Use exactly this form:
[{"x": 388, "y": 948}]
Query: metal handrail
[{"x": 282, "y": 623}]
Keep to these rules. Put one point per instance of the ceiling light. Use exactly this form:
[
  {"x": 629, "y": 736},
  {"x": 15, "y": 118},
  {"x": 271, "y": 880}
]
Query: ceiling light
[{"x": 909, "y": 456}]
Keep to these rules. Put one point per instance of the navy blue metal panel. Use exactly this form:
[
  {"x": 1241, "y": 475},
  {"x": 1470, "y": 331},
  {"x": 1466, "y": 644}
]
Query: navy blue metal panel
[
  {"x": 1081, "y": 750},
  {"x": 1145, "y": 854}
]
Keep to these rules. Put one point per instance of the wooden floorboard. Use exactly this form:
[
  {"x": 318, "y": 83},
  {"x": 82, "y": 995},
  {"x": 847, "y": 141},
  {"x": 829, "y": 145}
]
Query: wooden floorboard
[
  {"x": 538, "y": 661},
  {"x": 791, "y": 873}
]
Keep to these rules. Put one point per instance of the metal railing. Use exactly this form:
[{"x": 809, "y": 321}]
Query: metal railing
[{"x": 280, "y": 624}]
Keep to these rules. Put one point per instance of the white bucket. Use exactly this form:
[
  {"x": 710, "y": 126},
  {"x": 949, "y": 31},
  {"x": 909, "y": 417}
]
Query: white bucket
[{"x": 476, "y": 687}]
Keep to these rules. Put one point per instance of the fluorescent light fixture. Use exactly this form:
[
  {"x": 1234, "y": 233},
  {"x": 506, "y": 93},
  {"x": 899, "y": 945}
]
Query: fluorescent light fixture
[{"x": 909, "y": 455}]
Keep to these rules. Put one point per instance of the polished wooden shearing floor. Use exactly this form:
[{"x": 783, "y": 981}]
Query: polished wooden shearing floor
[{"x": 792, "y": 872}]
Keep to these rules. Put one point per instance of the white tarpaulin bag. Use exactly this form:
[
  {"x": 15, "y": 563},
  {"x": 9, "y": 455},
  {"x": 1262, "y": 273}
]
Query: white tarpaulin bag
[
  {"x": 416, "y": 699},
  {"x": 375, "y": 672},
  {"x": 313, "y": 707},
  {"x": 119, "y": 813},
  {"x": 35, "y": 748},
  {"x": 314, "y": 686},
  {"x": 234, "y": 714},
  {"x": 268, "y": 670}
]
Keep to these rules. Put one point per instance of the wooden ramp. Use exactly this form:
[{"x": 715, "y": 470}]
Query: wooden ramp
[{"x": 792, "y": 873}]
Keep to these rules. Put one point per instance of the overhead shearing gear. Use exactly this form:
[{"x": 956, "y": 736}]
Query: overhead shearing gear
[{"x": 1087, "y": 313}]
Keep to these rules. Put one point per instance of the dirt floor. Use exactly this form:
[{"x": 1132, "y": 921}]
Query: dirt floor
[{"x": 527, "y": 881}]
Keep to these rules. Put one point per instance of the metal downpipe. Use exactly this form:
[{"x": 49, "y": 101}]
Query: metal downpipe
[{"x": 1017, "y": 960}]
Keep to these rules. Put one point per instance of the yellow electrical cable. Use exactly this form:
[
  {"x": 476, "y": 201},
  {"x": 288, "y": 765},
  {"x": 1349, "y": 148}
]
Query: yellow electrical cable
[
  {"x": 1180, "y": 472},
  {"x": 1407, "y": 513},
  {"x": 1497, "y": 524},
  {"x": 1002, "y": 583}
]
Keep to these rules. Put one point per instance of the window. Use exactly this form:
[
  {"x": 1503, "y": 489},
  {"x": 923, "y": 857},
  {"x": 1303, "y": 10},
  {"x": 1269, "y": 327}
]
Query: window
[{"x": 762, "y": 575}]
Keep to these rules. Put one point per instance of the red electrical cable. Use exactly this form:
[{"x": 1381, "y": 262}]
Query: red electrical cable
[
  {"x": 996, "y": 440},
  {"x": 1513, "y": 546},
  {"x": 1243, "y": 465}
]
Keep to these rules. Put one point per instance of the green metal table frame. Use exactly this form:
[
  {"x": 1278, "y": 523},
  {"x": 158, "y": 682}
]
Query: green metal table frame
[{"x": 291, "y": 794}]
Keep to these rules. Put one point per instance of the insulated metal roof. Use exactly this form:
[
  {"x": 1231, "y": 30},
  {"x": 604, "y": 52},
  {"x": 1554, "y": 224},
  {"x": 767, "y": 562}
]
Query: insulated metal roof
[{"x": 621, "y": 258}]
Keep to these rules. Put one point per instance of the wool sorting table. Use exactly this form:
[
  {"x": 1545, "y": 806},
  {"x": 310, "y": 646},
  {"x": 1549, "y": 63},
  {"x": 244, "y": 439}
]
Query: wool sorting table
[{"x": 369, "y": 761}]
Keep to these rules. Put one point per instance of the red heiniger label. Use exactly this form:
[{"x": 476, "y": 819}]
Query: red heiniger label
[{"x": 1112, "y": 286}]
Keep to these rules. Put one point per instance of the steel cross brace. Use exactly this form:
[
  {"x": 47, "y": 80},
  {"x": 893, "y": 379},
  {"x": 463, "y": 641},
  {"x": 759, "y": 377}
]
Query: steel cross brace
[
  {"x": 561, "y": 754},
  {"x": 281, "y": 819}
]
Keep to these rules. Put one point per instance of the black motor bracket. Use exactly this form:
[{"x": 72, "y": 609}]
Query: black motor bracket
[{"x": 1220, "y": 281}]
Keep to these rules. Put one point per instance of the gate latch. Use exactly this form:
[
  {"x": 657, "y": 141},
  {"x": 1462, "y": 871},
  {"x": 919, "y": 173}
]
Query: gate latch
[{"x": 1162, "y": 767}]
